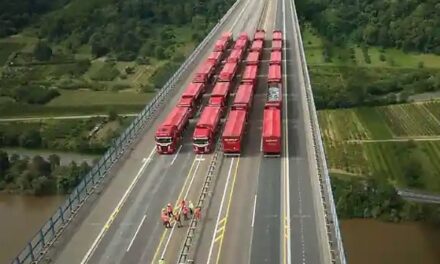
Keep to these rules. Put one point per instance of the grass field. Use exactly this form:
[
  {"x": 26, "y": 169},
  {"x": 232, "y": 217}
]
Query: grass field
[
  {"x": 6, "y": 48},
  {"x": 349, "y": 137},
  {"x": 313, "y": 45},
  {"x": 88, "y": 98}
]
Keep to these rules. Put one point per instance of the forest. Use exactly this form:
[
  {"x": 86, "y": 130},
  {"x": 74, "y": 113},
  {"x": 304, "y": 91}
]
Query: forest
[{"x": 408, "y": 25}]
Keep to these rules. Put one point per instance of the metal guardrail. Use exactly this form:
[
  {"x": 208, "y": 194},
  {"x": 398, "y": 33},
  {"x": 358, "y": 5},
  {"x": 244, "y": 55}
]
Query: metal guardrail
[
  {"x": 338, "y": 255},
  {"x": 36, "y": 248}
]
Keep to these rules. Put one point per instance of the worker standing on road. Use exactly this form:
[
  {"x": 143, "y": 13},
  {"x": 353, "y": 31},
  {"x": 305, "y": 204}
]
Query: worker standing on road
[
  {"x": 170, "y": 209},
  {"x": 182, "y": 204},
  {"x": 191, "y": 207},
  {"x": 198, "y": 213},
  {"x": 177, "y": 217},
  {"x": 185, "y": 212},
  {"x": 165, "y": 220}
]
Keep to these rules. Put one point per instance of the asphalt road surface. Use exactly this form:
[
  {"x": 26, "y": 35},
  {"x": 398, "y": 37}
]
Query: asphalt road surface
[{"x": 261, "y": 210}]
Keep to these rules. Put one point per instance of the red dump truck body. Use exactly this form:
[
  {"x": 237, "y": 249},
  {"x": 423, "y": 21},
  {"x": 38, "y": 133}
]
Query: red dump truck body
[
  {"x": 253, "y": 58},
  {"x": 260, "y": 34},
  {"x": 226, "y": 36},
  {"x": 206, "y": 129},
  {"x": 221, "y": 45},
  {"x": 277, "y": 45},
  {"x": 250, "y": 74},
  {"x": 257, "y": 45},
  {"x": 241, "y": 44},
  {"x": 271, "y": 135},
  {"x": 275, "y": 57},
  {"x": 219, "y": 95},
  {"x": 228, "y": 72},
  {"x": 191, "y": 97},
  {"x": 243, "y": 97},
  {"x": 204, "y": 72},
  {"x": 235, "y": 56},
  {"x": 243, "y": 35},
  {"x": 169, "y": 133},
  {"x": 277, "y": 35},
  {"x": 274, "y": 92},
  {"x": 215, "y": 57},
  {"x": 234, "y": 132}
]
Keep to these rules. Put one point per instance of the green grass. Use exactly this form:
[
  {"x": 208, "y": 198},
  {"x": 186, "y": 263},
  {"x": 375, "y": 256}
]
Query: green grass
[
  {"x": 80, "y": 98},
  {"x": 7, "y": 48},
  {"x": 373, "y": 120}
]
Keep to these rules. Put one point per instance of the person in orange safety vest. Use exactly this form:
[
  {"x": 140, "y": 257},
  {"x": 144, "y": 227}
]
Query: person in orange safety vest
[{"x": 170, "y": 210}]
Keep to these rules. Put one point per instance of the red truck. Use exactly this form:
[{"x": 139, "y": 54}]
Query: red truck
[
  {"x": 277, "y": 35},
  {"x": 253, "y": 58},
  {"x": 235, "y": 56},
  {"x": 257, "y": 45},
  {"x": 215, "y": 57},
  {"x": 243, "y": 97},
  {"x": 226, "y": 36},
  {"x": 259, "y": 34},
  {"x": 219, "y": 95},
  {"x": 241, "y": 44},
  {"x": 224, "y": 42},
  {"x": 274, "y": 92},
  {"x": 206, "y": 130},
  {"x": 277, "y": 45},
  {"x": 234, "y": 132},
  {"x": 169, "y": 133},
  {"x": 228, "y": 72},
  {"x": 275, "y": 57},
  {"x": 243, "y": 35},
  {"x": 191, "y": 97},
  {"x": 204, "y": 72},
  {"x": 271, "y": 134},
  {"x": 250, "y": 74}
]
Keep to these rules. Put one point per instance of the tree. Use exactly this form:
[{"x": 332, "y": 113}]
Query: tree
[
  {"x": 30, "y": 139},
  {"x": 54, "y": 161},
  {"x": 42, "y": 51},
  {"x": 4, "y": 164}
]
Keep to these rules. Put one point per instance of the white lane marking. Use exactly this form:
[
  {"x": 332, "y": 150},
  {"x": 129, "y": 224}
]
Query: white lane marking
[
  {"x": 239, "y": 15},
  {"x": 175, "y": 155},
  {"x": 135, "y": 233},
  {"x": 220, "y": 211},
  {"x": 184, "y": 197},
  {"x": 300, "y": 207},
  {"x": 253, "y": 213},
  {"x": 286, "y": 156},
  {"x": 261, "y": 144},
  {"x": 117, "y": 209}
]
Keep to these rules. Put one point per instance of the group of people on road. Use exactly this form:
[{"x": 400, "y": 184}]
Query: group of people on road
[{"x": 185, "y": 208}]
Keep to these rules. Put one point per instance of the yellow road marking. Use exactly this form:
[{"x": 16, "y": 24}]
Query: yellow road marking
[
  {"x": 227, "y": 209},
  {"x": 178, "y": 199}
]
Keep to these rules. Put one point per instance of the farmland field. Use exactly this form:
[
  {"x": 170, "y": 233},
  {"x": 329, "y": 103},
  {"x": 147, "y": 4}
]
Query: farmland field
[
  {"x": 376, "y": 142},
  {"x": 6, "y": 48}
]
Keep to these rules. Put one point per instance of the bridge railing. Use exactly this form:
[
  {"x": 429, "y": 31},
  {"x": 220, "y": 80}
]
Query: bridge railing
[
  {"x": 53, "y": 228},
  {"x": 334, "y": 233}
]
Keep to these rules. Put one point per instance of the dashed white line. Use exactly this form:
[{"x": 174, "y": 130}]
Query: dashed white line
[
  {"x": 253, "y": 213},
  {"x": 135, "y": 233}
]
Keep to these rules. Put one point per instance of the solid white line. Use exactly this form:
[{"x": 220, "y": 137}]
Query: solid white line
[
  {"x": 253, "y": 214},
  {"x": 137, "y": 231},
  {"x": 184, "y": 197},
  {"x": 175, "y": 155},
  {"x": 286, "y": 156},
  {"x": 117, "y": 209},
  {"x": 220, "y": 211}
]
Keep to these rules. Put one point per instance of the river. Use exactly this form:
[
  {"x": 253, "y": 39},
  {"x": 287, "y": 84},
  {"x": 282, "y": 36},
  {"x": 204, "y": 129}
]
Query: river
[
  {"x": 21, "y": 216},
  {"x": 370, "y": 241}
]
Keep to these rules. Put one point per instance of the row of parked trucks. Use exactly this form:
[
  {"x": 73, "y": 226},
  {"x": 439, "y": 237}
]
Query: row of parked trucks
[
  {"x": 272, "y": 132},
  {"x": 170, "y": 132}
]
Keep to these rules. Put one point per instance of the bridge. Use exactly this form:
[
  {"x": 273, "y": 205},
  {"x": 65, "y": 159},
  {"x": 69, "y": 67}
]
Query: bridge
[{"x": 255, "y": 209}]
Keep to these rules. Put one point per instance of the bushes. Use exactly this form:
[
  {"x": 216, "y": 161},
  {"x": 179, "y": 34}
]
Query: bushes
[
  {"x": 33, "y": 94},
  {"x": 107, "y": 72}
]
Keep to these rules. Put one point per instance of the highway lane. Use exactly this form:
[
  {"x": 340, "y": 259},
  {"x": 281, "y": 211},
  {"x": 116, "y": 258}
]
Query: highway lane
[
  {"x": 305, "y": 244},
  {"x": 103, "y": 223}
]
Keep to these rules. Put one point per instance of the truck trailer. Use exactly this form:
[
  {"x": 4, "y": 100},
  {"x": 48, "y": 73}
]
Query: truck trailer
[
  {"x": 235, "y": 56},
  {"x": 191, "y": 97},
  {"x": 169, "y": 133},
  {"x": 227, "y": 74},
  {"x": 204, "y": 72},
  {"x": 253, "y": 58},
  {"x": 206, "y": 130},
  {"x": 243, "y": 97},
  {"x": 274, "y": 90},
  {"x": 271, "y": 134},
  {"x": 250, "y": 74},
  {"x": 233, "y": 133},
  {"x": 275, "y": 57},
  {"x": 219, "y": 95},
  {"x": 259, "y": 34},
  {"x": 257, "y": 45},
  {"x": 277, "y": 45},
  {"x": 277, "y": 35},
  {"x": 215, "y": 57}
]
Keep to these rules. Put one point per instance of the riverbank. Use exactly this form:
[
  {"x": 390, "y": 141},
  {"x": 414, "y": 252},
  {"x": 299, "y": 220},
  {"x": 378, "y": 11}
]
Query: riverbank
[
  {"x": 369, "y": 241},
  {"x": 65, "y": 157}
]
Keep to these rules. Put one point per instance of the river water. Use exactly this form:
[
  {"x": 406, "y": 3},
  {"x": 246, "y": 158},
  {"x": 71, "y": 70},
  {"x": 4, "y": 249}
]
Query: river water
[
  {"x": 370, "y": 241},
  {"x": 21, "y": 217}
]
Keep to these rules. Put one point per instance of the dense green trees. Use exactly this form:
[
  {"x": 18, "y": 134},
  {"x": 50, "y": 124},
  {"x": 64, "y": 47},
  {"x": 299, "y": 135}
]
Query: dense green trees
[
  {"x": 408, "y": 25},
  {"x": 39, "y": 176}
]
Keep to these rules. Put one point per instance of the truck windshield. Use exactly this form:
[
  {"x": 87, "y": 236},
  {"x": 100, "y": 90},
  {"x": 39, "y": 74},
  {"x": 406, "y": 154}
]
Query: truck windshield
[
  {"x": 163, "y": 140},
  {"x": 200, "y": 141}
]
